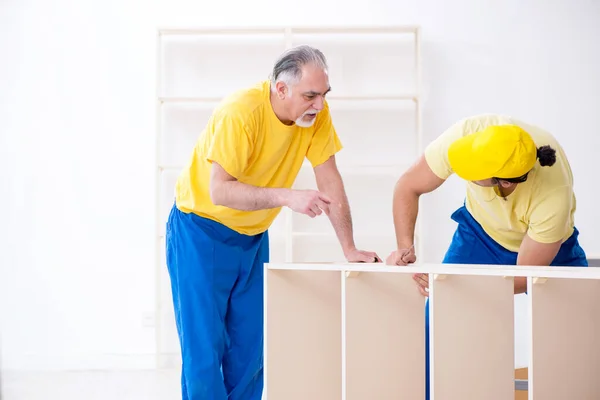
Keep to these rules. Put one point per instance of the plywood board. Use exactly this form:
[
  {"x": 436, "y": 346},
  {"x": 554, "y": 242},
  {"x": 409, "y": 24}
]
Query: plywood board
[
  {"x": 565, "y": 349},
  {"x": 385, "y": 337},
  {"x": 472, "y": 337},
  {"x": 303, "y": 354}
]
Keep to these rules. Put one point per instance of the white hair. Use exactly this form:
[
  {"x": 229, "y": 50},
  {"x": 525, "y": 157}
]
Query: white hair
[{"x": 288, "y": 67}]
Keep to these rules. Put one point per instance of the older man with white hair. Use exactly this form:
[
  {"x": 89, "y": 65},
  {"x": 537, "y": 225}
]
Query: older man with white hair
[{"x": 238, "y": 178}]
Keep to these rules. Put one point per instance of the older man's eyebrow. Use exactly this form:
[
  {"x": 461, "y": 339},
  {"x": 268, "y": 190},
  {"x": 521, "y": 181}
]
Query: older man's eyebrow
[{"x": 313, "y": 93}]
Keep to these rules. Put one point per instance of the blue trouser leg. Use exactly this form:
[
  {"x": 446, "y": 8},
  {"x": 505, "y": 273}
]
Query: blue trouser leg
[
  {"x": 471, "y": 245},
  {"x": 217, "y": 286},
  {"x": 243, "y": 360}
]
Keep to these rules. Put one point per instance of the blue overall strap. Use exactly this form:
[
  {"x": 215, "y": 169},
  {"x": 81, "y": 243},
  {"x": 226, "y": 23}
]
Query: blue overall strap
[{"x": 217, "y": 285}]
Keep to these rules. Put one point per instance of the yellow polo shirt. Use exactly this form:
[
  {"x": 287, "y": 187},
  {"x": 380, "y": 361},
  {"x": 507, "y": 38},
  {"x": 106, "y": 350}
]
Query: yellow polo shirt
[
  {"x": 543, "y": 207},
  {"x": 247, "y": 139}
]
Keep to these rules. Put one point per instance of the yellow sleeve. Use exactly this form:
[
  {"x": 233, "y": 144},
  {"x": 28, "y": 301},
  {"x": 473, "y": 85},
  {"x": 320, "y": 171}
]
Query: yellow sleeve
[
  {"x": 231, "y": 143},
  {"x": 436, "y": 152},
  {"x": 325, "y": 141},
  {"x": 550, "y": 218}
]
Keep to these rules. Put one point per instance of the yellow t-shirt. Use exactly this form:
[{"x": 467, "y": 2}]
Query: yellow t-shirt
[
  {"x": 247, "y": 139},
  {"x": 543, "y": 207}
]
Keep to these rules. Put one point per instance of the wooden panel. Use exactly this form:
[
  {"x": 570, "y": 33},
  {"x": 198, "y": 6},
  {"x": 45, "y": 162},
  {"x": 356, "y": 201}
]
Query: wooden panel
[
  {"x": 472, "y": 338},
  {"x": 303, "y": 355},
  {"x": 385, "y": 337},
  {"x": 565, "y": 327}
]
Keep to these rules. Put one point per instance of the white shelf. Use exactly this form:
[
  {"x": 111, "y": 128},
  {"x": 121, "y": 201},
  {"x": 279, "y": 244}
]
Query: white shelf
[
  {"x": 365, "y": 30},
  {"x": 229, "y": 30},
  {"x": 375, "y": 106},
  {"x": 223, "y": 30},
  {"x": 332, "y": 97},
  {"x": 200, "y": 100},
  {"x": 529, "y": 271},
  {"x": 358, "y": 57}
]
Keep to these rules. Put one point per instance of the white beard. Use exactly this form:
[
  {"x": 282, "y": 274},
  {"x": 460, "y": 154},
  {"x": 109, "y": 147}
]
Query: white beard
[{"x": 306, "y": 124}]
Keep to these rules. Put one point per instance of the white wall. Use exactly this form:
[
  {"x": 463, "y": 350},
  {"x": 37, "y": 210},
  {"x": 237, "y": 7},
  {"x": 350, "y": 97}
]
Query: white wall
[
  {"x": 77, "y": 93},
  {"x": 77, "y": 205}
]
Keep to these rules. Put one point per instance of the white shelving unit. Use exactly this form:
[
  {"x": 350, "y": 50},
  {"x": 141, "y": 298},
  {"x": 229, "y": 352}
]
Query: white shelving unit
[
  {"x": 375, "y": 104},
  {"x": 330, "y": 336}
]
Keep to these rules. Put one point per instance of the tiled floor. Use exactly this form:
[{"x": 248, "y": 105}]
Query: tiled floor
[{"x": 91, "y": 385}]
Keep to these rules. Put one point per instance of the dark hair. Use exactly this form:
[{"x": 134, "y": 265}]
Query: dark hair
[{"x": 547, "y": 157}]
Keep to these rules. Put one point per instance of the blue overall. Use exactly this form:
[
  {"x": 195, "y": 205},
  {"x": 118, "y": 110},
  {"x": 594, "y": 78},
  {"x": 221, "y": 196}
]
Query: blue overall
[
  {"x": 471, "y": 245},
  {"x": 217, "y": 284}
]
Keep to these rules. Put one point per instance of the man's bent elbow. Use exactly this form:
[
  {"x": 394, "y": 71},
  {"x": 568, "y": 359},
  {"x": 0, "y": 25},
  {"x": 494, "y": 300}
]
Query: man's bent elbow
[
  {"x": 405, "y": 186},
  {"x": 419, "y": 179},
  {"x": 216, "y": 193},
  {"x": 217, "y": 187}
]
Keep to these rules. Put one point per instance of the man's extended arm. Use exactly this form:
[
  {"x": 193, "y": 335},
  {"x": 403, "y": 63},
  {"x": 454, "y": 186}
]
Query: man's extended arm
[
  {"x": 532, "y": 253},
  {"x": 548, "y": 224},
  {"x": 418, "y": 180},
  {"x": 329, "y": 181},
  {"x": 227, "y": 191}
]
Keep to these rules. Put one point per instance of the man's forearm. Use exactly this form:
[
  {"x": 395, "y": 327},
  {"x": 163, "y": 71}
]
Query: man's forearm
[
  {"x": 244, "y": 197},
  {"x": 339, "y": 213},
  {"x": 405, "y": 209},
  {"x": 532, "y": 253}
]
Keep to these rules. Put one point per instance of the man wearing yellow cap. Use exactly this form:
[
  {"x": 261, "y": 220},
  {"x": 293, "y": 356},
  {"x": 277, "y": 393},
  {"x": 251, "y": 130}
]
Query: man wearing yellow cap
[{"x": 519, "y": 206}]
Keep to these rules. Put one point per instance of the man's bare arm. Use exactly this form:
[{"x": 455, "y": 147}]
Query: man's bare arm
[
  {"x": 329, "y": 181},
  {"x": 227, "y": 191},
  {"x": 418, "y": 180},
  {"x": 532, "y": 253}
]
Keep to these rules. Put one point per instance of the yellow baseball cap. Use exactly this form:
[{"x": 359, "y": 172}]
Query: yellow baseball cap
[{"x": 504, "y": 151}]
